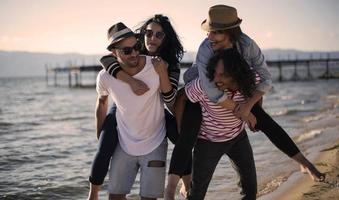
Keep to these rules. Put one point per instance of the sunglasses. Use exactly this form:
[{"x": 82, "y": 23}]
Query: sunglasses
[
  {"x": 158, "y": 34},
  {"x": 129, "y": 50}
]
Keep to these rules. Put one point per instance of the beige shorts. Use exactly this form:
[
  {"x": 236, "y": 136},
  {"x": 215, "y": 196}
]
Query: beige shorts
[{"x": 124, "y": 169}]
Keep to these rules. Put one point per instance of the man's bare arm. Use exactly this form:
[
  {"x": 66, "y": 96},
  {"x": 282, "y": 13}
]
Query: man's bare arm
[{"x": 100, "y": 112}]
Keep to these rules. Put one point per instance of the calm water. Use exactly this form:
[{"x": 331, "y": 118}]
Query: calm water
[{"x": 48, "y": 137}]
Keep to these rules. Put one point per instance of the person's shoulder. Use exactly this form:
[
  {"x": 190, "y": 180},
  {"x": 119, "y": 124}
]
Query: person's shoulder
[
  {"x": 204, "y": 43},
  {"x": 245, "y": 40},
  {"x": 102, "y": 74},
  {"x": 107, "y": 59},
  {"x": 196, "y": 84},
  {"x": 205, "y": 51},
  {"x": 146, "y": 56},
  {"x": 146, "y": 60},
  {"x": 107, "y": 56}
]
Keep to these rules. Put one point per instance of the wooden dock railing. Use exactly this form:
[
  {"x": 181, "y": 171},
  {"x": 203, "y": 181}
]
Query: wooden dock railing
[{"x": 75, "y": 72}]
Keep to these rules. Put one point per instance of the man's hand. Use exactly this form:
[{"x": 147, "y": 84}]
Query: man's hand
[
  {"x": 251, "y": 122},
  {"x": 243, "y": 110},
  {"x": 138, "y": 86}
]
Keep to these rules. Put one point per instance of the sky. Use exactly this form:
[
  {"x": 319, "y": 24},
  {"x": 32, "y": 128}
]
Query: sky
[{"x": 80, "y": 26}]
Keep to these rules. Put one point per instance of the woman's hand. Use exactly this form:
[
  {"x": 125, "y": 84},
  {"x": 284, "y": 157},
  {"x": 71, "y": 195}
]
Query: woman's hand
[{"x": 160, "y": 65}]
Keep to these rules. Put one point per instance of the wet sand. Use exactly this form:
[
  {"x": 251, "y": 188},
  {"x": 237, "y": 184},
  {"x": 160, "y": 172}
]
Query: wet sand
[
  {"x": 299, "y": 186},
  {"x": 319, "y": 141}
]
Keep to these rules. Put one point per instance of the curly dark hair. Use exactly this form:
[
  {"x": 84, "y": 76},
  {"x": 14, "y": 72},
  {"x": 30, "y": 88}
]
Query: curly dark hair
[
  {"x": 236, "y": 66},
  {"x": 174, "y": 51}
]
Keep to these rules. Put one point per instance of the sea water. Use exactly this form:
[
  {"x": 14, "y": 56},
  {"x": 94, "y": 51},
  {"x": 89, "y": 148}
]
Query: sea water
[{"x": 48, "y": 138}]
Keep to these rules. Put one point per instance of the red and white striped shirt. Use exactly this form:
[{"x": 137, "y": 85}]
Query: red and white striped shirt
[{"x": 218, "y": 124}]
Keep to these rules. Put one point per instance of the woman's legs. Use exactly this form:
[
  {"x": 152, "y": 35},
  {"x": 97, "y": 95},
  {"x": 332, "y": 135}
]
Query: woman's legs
[
  {"x": 173, "y": 135},
  {"x": 182, "y": 153},
  {"x": 278, "y": 136},
  {"x": 107, "y": 143},
  {"x": 171, "y": 127},
  {"x": 186, "y": 185},
  {"x": 307, "y": 167}
]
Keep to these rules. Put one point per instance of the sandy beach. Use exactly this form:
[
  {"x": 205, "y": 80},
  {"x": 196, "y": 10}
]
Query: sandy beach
[{"x": 299, "y": 186}]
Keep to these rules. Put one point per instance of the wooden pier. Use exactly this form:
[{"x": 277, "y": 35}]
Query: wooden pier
[
  {"x": 308, "y": 63},
  {"x": 75, "y": 73}
]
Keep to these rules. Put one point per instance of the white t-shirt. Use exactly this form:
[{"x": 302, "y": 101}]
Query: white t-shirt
[{"x": 140, "y": 119}]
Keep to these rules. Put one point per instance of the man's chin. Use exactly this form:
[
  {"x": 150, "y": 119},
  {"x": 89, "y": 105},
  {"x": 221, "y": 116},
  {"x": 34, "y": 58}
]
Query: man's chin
[{"x": 134, "y": 63}]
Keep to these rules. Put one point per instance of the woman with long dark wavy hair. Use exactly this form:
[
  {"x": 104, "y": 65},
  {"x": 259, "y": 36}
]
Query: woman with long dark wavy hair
[{"x": 158, "y": 38}]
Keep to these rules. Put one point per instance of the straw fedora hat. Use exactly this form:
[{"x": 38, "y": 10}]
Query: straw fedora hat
[
  {"x": 118, "y": 32},
  {"x": 221, "y": 17}
]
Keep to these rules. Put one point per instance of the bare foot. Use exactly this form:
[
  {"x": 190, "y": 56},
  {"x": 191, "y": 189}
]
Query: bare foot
[
  {"x": 308, "y": 167},
  {"x": 183, "y": 191},
  {"x": 303, "y": 169},
  {"x": 315, "y": 174}
]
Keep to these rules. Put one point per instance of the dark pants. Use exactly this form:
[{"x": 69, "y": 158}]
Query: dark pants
[
  {"x": 206, "y": 157},
  {"x": 109, "y": 139},
  {"x": 190, "y": 127},
  {"x": 275, "y": 133},
  {"x": 182, "y": 152}
]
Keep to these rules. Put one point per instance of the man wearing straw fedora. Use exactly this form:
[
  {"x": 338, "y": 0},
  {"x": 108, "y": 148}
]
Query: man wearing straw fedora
[
  {"x": 140, "y": 119},
  {"x": 223, "y": 28}
]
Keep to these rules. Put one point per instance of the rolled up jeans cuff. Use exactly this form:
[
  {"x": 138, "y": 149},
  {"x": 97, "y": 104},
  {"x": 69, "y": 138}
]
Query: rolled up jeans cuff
[{"x": 95, "y": 182}]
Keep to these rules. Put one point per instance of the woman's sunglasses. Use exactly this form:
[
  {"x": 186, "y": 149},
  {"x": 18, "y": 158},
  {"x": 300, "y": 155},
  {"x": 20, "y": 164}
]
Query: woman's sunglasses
[
  {"x": 158, "y": 34},
  {"x": 129, "y": 50}
]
